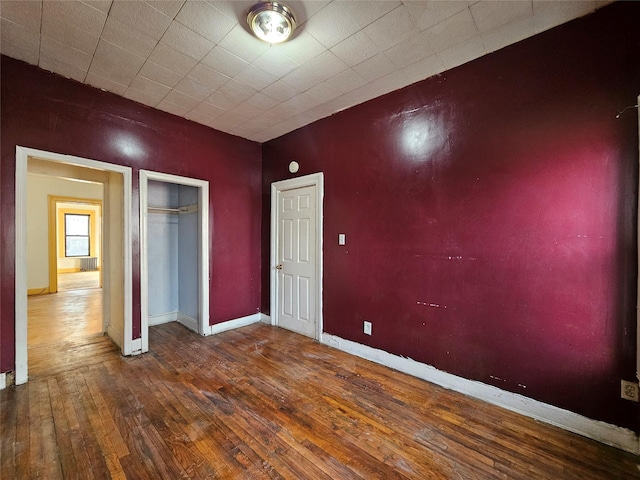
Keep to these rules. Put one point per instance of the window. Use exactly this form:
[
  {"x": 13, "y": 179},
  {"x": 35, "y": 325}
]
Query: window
[
  {"x": 73, "y": 239},
  {"x": 76, "y": 235}
]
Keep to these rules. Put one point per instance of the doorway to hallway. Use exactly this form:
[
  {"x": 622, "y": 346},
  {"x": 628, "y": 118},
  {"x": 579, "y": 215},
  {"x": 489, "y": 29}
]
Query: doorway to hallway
[{"x": 116, "y": 302}]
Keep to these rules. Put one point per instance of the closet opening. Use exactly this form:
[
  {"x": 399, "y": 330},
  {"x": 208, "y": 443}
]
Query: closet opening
[{"x": 174, "y": 252}]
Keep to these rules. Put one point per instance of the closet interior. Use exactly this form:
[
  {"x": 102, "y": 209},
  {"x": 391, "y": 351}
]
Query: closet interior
[{"x": 172, "y": 246}]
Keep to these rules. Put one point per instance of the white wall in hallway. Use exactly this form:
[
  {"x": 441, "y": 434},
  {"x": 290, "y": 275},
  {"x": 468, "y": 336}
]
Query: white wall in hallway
[{"x": 39, "y": 187}]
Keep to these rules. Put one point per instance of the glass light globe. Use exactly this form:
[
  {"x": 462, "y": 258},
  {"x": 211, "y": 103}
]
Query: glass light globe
[{"x": 271, "y": 22}]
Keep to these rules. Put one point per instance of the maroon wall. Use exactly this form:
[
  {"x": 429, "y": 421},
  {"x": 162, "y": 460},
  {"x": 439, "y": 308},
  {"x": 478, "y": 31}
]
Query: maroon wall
[
  {"x": 47, "y": 112},
  {"x": 491, "y": 216}
]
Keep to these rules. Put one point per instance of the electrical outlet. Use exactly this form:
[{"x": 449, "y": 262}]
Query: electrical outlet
[
  {"x": 367, "y": 327},
  {"x": 629, "y": 390}
]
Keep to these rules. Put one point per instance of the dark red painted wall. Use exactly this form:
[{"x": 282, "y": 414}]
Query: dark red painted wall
[
  {"x": 47, "y": 112},
  {"x": 490, "y": 215}
]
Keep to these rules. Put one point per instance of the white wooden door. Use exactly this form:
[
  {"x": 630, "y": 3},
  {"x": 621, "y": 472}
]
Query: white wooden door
[{"x": 296, "y": 261}]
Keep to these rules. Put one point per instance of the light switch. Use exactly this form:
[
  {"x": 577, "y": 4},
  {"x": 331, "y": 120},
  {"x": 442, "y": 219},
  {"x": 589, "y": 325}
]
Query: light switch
[{"x": 342, "y": 239}]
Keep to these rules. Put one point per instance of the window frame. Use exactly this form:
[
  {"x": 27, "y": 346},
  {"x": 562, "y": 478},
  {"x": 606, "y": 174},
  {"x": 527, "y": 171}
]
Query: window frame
[
  {"x": 79, "y": 210},
  {"x": 67, "y": 235}
]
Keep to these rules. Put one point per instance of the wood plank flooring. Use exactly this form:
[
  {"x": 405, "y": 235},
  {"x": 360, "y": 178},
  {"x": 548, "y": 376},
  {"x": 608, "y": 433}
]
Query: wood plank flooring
[
  {"x": 64, "y": 331},
  {"x": 262, "y": 402},
  {"x": 78, "y": 280}
]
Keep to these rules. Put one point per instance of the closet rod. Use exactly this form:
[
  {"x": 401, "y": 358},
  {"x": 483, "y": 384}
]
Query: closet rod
[
  {"x": 163, "y": 210},
  {"x": 185, "y": 209}
]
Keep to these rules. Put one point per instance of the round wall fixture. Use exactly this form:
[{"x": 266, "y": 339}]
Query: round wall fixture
[
  {"x": 272, "y": 22},
  {"x": 294, "y": 167}
]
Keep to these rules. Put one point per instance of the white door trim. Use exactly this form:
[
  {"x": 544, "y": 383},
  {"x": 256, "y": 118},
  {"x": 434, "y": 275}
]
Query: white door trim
[
  {"x": 22, "y": 158},
  {"x": 203, "y": 249},
  {"x": 317, "y": 180}
]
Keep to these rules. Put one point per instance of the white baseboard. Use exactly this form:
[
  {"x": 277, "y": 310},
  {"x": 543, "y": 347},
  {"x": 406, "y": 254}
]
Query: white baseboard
[
  {"x": 162, "y": 318},
  {"x": 264, "y": 318},
  {"x": 236, "y": 323},
  {"x": 3, "y": 381},
  {"x": 606, "y": 433},
  {"x": 184, "y": 319},
  {"x": 187, "y": 321}
]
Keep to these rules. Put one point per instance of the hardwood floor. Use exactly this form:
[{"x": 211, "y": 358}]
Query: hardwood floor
[
  {"x": 64, "y": 331},
  {"x": 262, "y": 402},
  {"x": 78, "y": 280}
]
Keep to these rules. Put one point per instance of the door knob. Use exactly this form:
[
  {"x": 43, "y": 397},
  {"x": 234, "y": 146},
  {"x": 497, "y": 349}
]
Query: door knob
[{"x": 279, "y": 267}]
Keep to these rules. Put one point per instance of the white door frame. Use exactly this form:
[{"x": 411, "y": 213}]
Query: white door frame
[
  {"x": 22, "y": 158},
  {"x": 203, "y": 249},
  {"x": 314, "y": 180}
]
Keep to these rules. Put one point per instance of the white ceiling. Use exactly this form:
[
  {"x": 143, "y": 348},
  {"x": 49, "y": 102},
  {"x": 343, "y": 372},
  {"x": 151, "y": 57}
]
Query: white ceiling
[{"x": 197, "y": 60}]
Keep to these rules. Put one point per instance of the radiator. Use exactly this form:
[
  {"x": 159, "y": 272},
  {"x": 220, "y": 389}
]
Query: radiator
[{"x": 88, "y": 264}]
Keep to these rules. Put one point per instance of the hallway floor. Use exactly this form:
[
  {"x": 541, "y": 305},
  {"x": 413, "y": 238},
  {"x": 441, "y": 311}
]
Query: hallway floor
[
  {"x": 65, "y": 331},
  {"x": 78, "y": 280}
]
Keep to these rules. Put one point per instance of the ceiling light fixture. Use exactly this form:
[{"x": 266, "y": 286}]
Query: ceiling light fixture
[{"x": 272, "y": 22}]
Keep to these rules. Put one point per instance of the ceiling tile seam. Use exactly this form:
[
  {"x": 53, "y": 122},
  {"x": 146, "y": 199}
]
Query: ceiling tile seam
[
  {"x": 271, "y": 96},
  {"x": 110, "y": 8},
  {"x": 475, "y": 22},
  {"x": 78, "y": 26},
  {"x": 154, "y": 82},
  {"x": 197, "y": 104},
  {"x": 223, "y": 39},
  {"x": 430, "y": 48},
  {"x": 199, "y": 61},
  {"x": 192, "y": 79},
  {"x": 175, "y": 18},
  {"x": 20, "y": 25},
  {"x": 323, "y": 45},
  {"x": 14, "y": 23},
  {"x": 502, "y": 25},
  {"x": 453, "y": 15},
  {"x": 93, "y": 54},
  {"x": 400, "y": 5},
  {"x": 119, "y": 48},
  {"x": 146, "y": 59},
  {"x": 444, "y": 19},
  {"x": 394, "y": 46},
  {"x": 163, "y": 33},
  {"x": 216, "y": 7},
  {"x": 282, "y": 53},
  {"x": 160, "y": 11}
]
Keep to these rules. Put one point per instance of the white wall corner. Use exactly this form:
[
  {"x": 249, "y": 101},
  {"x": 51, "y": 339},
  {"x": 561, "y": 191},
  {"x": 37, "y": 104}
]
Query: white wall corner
[
  {"x": 235, "y": 323},
  {"x": 189, "y": 322},
  {"x": 264, "y": 318},
  {"x": 603, "y": 432}
]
